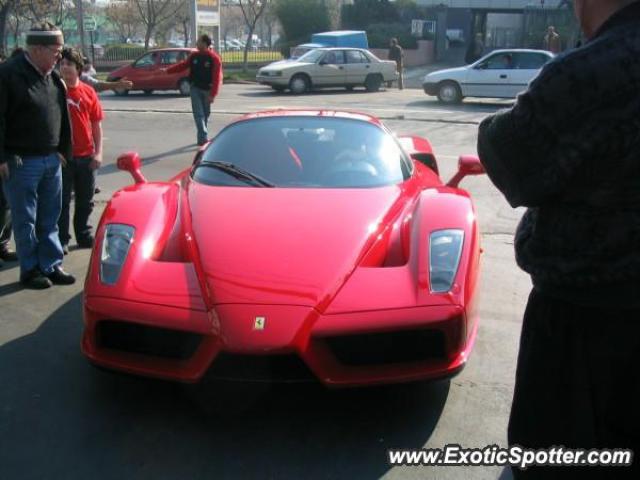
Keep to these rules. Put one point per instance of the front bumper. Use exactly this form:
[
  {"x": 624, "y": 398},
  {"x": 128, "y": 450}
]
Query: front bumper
[
  {"x": 273, "y": 81},
  {"x": 430, "y": 88},
  {"x": 347, "y": 349}
]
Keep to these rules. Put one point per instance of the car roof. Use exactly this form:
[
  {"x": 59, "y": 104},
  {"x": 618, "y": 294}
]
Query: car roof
[
  {"x": 288, "y": 112},
  {"x": 520, "y": 50}
]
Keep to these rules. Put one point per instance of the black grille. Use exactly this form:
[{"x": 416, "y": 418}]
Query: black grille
[
  {"x": 406, "y": 346},
  {"x": 272, "y": 368},
  {"x": 145, "y": 340}
]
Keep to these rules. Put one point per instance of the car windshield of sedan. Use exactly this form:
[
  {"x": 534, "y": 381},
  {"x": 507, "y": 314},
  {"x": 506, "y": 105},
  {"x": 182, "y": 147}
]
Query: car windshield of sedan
[
  {"x": 312, "y": 56},
  {"x": 303, "y": 152}
]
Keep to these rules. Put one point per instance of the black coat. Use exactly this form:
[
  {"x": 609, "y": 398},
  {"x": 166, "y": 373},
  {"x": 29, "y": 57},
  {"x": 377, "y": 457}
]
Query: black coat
[
  {"x": 19, "y": 89},
  {"x": 569, "y": 150}
]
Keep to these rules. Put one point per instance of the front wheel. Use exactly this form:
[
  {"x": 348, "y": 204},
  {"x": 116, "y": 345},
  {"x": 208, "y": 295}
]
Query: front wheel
[
  {"x": 299, "y": 84},
  {"x": 185, "y": 87},
  {"x": 449, "y": 92}
]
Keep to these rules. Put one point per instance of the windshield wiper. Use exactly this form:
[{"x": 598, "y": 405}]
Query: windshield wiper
[{"x": 238, "y": 173}]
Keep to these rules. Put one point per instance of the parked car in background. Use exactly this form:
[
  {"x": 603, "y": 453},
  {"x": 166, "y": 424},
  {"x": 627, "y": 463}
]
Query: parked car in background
[
  {"x": 329, "y": 67},
  {"x": 500, "y": 74},
  {"x": 148, "y": 72},
  {"x": 337, "y": 38}
]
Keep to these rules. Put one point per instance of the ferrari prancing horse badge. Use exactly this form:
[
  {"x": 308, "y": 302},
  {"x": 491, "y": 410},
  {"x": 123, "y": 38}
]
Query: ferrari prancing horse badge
[{"x": 259, "y": 323}]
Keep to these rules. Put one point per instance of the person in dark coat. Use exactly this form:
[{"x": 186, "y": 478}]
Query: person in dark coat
[
  {"x": 569, "y": 151},
  {"x": 35, "y": 139}
]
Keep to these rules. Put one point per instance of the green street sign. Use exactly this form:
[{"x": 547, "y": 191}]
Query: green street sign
[{"x": 89, "y": 24}]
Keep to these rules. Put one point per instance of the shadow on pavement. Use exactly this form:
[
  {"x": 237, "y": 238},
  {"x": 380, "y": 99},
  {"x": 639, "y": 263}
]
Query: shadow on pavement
[
  {"x": 113, "y": 167},
  {"x": 323, "y": 92},
  {"x": 60, "y": 418}
]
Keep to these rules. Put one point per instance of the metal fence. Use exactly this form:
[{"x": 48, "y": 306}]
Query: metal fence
[{"x": 115, "y": 55}]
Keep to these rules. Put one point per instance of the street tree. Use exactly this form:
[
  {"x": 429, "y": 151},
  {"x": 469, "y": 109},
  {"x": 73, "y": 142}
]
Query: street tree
[
  {"x": 122, "y": 17},
  {"x": 153, "y": 13},
  {"x": 252, "y": 10},
  {"x": 301, "y": 18}
]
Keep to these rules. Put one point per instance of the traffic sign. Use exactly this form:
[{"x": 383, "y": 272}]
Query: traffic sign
[{"x": 89, "y": 23}]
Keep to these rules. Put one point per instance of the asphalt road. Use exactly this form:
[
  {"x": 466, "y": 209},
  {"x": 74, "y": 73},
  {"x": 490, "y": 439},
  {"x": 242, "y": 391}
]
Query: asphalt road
[{"x": 61, "y": 418}]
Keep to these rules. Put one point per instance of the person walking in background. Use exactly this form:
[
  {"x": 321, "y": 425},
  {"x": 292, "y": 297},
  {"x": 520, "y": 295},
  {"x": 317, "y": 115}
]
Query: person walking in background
[
  {"x": 568, "y": 150},
  {"x": 552, "y": 41},
  {"x": 35, "y": 138},
  {"x": 397, "y": 55},
  {"x": 79, "y": 175},
  {"x": 205, "y": 76},
  {"x": 475, "y": 50}
]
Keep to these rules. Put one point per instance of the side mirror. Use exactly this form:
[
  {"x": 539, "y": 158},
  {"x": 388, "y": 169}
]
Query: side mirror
[
  {"x": 467, "y": 165},
  {"x": 481, "y": 66},
  {"x": 322, "y": 62},
  {"x": 130, "y": 162}
]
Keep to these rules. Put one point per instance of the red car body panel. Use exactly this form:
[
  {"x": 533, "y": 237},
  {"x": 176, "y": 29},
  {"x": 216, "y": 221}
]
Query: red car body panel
[
  {"x": 153, "y": 76},
  {"x": 302, "y": 272}
]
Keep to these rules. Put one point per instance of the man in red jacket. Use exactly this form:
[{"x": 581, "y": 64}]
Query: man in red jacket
[{"x": 205, "y": 75}]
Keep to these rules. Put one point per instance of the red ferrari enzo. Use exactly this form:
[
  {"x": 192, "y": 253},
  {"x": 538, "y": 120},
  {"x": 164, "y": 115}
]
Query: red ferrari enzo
[{"x": 314, "y": 242}]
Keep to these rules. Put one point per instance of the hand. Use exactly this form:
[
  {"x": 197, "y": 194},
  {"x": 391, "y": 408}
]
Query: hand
[
  {"x": 124, "y": 84},
  {"x": 96, "y": 161},
  {"x": 211, "y": 97},
  {"x": 4, "y": 171}
]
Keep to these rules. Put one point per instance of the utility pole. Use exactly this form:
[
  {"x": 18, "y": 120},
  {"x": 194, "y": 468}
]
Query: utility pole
[
  {"x": 80, "y": 23},
  {"x": 193, "y": 22}
]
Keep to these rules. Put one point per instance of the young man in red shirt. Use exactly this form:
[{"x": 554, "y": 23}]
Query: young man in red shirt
[
  {"x": 79, "y": 174},
  {"x": 205, "y": 76}
]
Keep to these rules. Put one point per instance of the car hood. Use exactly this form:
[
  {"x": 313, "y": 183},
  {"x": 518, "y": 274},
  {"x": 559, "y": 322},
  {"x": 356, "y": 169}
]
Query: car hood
[
  {"x": 282, "y": 245},
  {"x": 285, "y": 65},
  {"x": 438, "y": 75}
]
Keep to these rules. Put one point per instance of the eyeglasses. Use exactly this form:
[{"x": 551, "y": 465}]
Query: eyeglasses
[{"x": 57, "y": 51}]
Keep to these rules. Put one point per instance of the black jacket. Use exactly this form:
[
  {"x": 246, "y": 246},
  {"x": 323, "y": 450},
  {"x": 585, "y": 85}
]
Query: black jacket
[
  {"x": 23, "y": 115},
  {"x": 569, "y": 150}
]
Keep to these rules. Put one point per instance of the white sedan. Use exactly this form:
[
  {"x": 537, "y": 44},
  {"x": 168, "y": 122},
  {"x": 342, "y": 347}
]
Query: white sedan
[{"x": 500, "y": 74}]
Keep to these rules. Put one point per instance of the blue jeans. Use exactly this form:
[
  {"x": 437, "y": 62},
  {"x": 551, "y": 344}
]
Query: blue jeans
[
  {"x": 34, "y": 191},
  {"x": 201, "y": 110}
]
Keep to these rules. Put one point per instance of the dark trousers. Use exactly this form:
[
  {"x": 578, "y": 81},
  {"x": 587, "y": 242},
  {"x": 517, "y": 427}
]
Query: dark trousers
[
  {"x": 5, "y": 220},
  {"x": 577, "y": 384},
  {"x": 79, "y": 178}
]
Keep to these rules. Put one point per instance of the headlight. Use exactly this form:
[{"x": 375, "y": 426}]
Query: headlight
[
  {"x": 115, "y": 248},
  {"x": 277, "y": 73},
  {"x": 445, "y": 249}
]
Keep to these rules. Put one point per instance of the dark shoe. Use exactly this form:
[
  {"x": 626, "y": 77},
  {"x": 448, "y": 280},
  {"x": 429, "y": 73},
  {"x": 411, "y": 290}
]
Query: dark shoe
[
  {"x": 65, "y": 249},
  {"x": 60, "y": 277},
  {"x": 35, "y": 280},
  {"x": 8, "y": 255},
  {"x": 86, "y": 242},
  {"x": 97, "y": 190}
]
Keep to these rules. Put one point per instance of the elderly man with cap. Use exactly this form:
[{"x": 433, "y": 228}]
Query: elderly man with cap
[{"x": 35, "y": 138}]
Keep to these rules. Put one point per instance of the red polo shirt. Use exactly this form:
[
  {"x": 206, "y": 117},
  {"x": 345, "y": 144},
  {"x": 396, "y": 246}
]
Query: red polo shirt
[{"x": 84, "y": 109}]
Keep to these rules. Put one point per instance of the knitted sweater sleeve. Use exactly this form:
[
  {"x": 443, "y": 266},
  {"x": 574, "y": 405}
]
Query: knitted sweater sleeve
[{"x": 532, "y": 151}]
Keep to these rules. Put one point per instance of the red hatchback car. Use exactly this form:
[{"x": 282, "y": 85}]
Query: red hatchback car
[{"x": 148, "y": 72}]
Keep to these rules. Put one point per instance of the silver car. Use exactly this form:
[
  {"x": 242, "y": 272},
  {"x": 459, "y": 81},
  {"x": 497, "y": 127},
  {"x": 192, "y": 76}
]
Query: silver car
[
  {"x": 329, "y": 67},
  {"x": 500, "y": 74}
]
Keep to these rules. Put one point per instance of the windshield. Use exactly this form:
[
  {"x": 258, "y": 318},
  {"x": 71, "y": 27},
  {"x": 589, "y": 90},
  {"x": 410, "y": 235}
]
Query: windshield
[
  {"x": 306, "y": 152},
  {"x": 312, "y": 56}
]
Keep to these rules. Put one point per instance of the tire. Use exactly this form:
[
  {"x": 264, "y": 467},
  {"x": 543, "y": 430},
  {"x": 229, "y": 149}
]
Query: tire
[
  {"x": 300, "y": 83},
  {"x": 121, "y": 92},
  {"x": 449, "y": 92},
  {"x": 184, "y": 87},
  {"x": 373, "y": 83}
]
